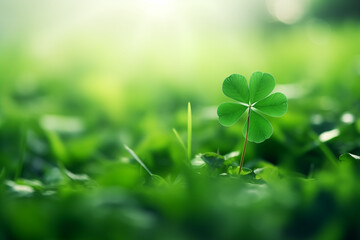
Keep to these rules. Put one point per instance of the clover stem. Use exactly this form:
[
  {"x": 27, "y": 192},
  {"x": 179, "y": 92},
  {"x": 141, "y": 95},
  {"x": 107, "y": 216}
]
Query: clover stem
[{"x": 246, "y": 137}]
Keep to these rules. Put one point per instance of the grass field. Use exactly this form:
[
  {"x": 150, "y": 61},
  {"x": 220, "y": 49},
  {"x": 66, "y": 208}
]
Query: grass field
[{"x": 96, "y": 140}]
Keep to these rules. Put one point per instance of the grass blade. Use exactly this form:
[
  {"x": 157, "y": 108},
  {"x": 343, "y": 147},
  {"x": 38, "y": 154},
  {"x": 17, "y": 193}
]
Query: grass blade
[
  {"x": 189, "y": 131},
  {"x": 59, "y": 151},
  {"x": 179, "y": 139},
  {"x": 133, "y": 154}
]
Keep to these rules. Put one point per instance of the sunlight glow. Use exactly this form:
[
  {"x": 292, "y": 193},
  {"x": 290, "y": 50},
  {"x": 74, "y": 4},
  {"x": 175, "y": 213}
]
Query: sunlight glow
[
  {"x": 347, "y": 118},
  {"x": 287, "y": 11}
]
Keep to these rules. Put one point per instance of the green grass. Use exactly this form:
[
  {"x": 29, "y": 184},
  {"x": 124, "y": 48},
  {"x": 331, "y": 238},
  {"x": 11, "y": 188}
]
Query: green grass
[
  {"x": 67, "y": 174},
  {"x": 189, "y": 131}
]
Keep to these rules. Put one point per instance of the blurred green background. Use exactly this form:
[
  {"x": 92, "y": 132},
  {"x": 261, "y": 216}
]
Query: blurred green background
[{"x": 78, "y": 79}]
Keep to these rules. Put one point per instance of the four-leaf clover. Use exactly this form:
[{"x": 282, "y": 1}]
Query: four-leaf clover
[{"x": 256, "y": 99}]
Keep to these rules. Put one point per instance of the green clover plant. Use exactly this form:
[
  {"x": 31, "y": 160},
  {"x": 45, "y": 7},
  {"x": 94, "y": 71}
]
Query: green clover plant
[{"x": 255, "y": 100}]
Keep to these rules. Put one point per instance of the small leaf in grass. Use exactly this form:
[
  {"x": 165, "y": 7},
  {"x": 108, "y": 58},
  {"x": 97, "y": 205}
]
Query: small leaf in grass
[
  {"x": 349, "y": 157},
  {"x": 213, "y": 159},
  {"x": 233, "y": 170},
  {"x": 231, "y": 158},
  {"x": 245, "y": 171},
  {"x": 269, "y": 173}
]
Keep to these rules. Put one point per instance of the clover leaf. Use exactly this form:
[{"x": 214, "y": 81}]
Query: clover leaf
[{"x": 256, "y": 101}]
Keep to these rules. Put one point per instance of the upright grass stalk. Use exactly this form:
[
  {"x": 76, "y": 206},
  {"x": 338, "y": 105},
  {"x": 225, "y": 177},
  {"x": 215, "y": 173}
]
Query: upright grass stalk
[
  {"x": 246, "y": 138},
  {"x": 187, "y": 148},
  {"x": 189, "y": 123}
]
